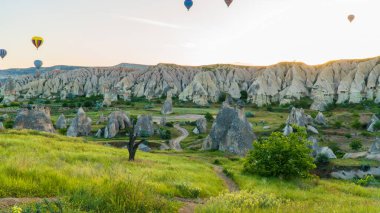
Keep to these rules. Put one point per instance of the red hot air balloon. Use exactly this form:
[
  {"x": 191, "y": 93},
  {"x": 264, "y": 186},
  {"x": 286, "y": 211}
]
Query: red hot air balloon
[{"x": 228, "y": 2}]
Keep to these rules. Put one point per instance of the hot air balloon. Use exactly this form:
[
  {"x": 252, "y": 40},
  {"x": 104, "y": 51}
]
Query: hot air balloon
[
  {"x": 188, "y": 4},
  {"x": 3, "y": 53},
  {"x": 38, "y": 64},
  {"x": 37, "y": 41},
  {"x": 351, "y": 18},
  {"x": 228, "y": 2}
]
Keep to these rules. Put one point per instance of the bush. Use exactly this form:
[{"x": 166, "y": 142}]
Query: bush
[
  {"x": 209, "y": 117},
  {"x": 244, "y": 95},
  {"x": 356, "y": 145},
  {"x": 89, "y": 104},
  {"x": 356, "y": 124},
  {"x": 169, "y": 124},
  {"x": 365, "y": 181},
  {"x": 377, "y": 125},
  {"x": 322, "y": 159},
  {"x": 165, "y": 134},
  {"x": 249, "y": 115},
  {"x": 281, "y": 156},
  {"x": 338, "y": 124},
  {"x": 222, "y": 97}
]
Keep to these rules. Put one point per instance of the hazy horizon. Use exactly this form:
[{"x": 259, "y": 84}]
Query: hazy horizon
[{"x": 250, "y": 32}]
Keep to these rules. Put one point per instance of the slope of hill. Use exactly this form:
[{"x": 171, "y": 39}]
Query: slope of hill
[
  {"x": 31, "y": 71},
  {"x": 334, "y": 82}
]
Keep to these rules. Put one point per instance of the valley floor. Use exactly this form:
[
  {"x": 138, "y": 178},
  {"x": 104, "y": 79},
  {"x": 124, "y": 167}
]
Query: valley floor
[{"x": 101, "y": 179}]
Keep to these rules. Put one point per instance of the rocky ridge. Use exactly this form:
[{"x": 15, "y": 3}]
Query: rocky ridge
[{"x": 334, "y": 82}]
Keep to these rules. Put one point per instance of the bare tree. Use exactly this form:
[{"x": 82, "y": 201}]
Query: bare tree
[{"x": 132, "y": 144}]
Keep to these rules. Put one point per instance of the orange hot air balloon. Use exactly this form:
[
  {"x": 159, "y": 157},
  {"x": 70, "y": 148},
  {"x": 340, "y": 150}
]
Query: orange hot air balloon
[
  {"x": 351, "y": 18},
  {"x": 228, "y": 2},
  {"x": 37, "y": 41}
]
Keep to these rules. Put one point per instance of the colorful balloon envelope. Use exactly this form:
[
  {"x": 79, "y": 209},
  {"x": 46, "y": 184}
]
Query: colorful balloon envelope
[
  {"x": 351, "y": 18},
  {"x": 38, "y": 64},
  {"x": 37, "y": 41},
  {"x": 188, "y": 4},
  {"x": 228, "y": 2},
  {"x": 3, "y": 53}
]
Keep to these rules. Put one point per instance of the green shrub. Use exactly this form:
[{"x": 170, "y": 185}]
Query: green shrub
[
  {"x": 222, "y": 97},
  {"x": 322, "y": 159},
  {"x": 169, "y": 124},
  {"x": 366, "y": 134},
  {"x": 365, "y": 181},
  {"x": 89, "y": 104},
  {"x": 243, "y": 95},
  {"x": 338, "y": 124},
  {"x": 165, "y": 134},
  {"x": 209, "y": 117},
  {"x": 249, "y": 115},
  {"x": 356, "y": 124},
  {"x": 348, "y": 135},
  {"x": 281, "y": 156},
  {"x": 377, "y": 126},
  {"x": 186, "y": 190},
  {"x": 9, "y": 124},
  {"x": 356, "y": 145}
]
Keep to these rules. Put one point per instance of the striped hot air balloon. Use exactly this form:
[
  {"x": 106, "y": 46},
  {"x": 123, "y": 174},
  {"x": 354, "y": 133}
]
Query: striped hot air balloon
[
  {"x": 188, "y": 4},
  {"x": 228, "y": 2},
  {"x": 37, "y": 41},
  {"x": 3, "y": 53}
]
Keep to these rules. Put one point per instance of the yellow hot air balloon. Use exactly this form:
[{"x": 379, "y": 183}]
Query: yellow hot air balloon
[
  {"x": 37, "y": 41},
  {"x": 351, "y": 18}
]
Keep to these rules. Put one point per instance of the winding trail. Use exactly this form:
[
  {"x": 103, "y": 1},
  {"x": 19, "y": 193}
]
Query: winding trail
[{"x": 176, "y": 143}]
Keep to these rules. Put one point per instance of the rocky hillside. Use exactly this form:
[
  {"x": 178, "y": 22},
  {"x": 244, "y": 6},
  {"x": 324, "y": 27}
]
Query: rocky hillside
[{"x": 337, "y": 81}]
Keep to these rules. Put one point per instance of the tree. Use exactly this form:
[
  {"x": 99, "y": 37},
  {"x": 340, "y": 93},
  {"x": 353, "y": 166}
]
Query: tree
[
  {"x": 209, "y": 117},
  {"x": 281, "y": 156},
  {"x": 132, "y": 144},
  {"x": 356, "y": 145}
]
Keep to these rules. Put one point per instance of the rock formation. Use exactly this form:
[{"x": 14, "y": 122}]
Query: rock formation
[
  {"x": 144, "y": 126},
  {"x": 99, "y": 133},
  {"x": 80, "y": 125},
  {"x": 35, "y": 118},
  {"x": 298, "y": 117},
  {"x": 320, "y": 119},
  {"x": 287, "y": 130},
  {"x": 371, "y": 125},
  {"x": 327, "y": 151},
  {"x": 334, "y": 82},
  {"x": 167, "y": 107},
  {"x": 102, "y": 119},
  {"x": 116, "y": 121},
  {"x": 2, "y": 126},
  {"x": 201, "y": 125},
  {"x": 61, "y": 122},
  {"x": 231, "y": 132}
]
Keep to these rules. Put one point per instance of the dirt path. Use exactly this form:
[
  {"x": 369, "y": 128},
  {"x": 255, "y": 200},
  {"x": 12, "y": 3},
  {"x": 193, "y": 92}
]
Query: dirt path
[
  {"x": 6, "y": 203},
  {"x": 232, "y": 186},
  {"x": 190, "y": 205},
  {"x": 176, "y": 143},
  {"x": 190, "y": 117}
]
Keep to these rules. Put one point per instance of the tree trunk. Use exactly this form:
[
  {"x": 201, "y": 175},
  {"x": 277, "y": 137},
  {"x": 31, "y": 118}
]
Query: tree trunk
[{"x": 132, "y": 154}]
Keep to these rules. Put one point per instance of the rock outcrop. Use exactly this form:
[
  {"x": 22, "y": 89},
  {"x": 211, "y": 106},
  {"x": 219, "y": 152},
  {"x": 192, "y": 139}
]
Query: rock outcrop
[
  {"x": 167, "y": 107},
  {"x": 372, "y": 123},
  {"x": 80, "y": 125},
  {"x": 320, "y": 119},
  {"x": 327, "y": 151},
  {"x": 144, "y": 126},
  {"x": 2, "y": 126},
  {"x": 298, "y": 117},
  {"x": 61, "y": 122},
  {"x": 116, "y": 121},
  {"x": 201, "y": 125},
  {"x": 231, "y": 132},
  {"x": 334, "y": 82},
  {"x": 35, "y": 118},
  {"x": 288, "y": 129}
]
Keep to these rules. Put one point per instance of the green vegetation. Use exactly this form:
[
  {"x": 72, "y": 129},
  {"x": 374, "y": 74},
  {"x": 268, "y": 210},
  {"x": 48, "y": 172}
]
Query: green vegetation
[
  {"x": 89, "y": 177},
  {"x": 356, "y": 145},
  {"x": 281, "y": 156}
]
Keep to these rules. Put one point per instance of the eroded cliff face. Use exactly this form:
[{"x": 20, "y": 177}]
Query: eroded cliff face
[{"x": 339, "y": 81}]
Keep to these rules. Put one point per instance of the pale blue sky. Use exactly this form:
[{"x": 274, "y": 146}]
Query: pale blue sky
[{"x": 259, "y": 32}]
